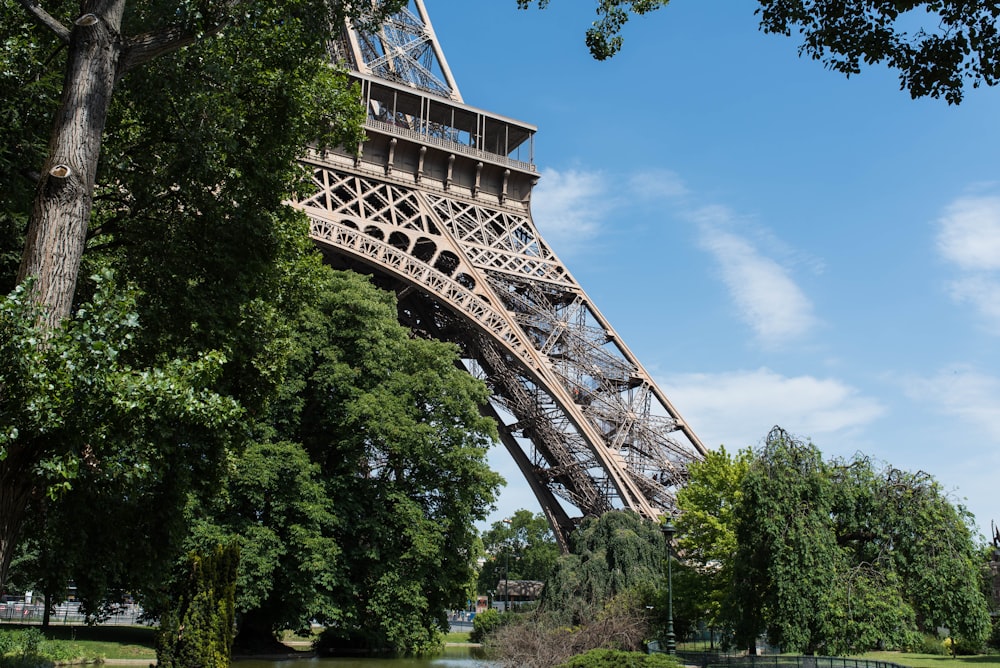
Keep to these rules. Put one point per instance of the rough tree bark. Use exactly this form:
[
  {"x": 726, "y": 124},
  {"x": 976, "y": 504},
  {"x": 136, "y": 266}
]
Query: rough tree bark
[
  {"x": 98, "y": 56},
  {"x": 57, "y": 229}
]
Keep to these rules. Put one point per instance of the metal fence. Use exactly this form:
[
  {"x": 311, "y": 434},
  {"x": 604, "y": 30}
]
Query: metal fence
[
  {"x": 68, "y": 613},
  {"x": 720, "y": 660}
]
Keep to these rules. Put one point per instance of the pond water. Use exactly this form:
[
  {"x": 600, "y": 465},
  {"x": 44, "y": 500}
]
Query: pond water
[{"x": 452, "y": 657}]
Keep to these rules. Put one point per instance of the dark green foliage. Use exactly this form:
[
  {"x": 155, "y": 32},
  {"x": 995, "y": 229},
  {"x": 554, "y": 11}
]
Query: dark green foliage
[
  {"x": 524, "y": 544},
  {"x": 900, "y": 529},
  {"x": 198, "y": 632},
  {"x": 936, "y": 45},
  {"x": 487, "y": 622},
  {"x": 836, "y": 558},
  {"x": 787, "y": 555},
  {"x": 603, "y": 37},
  {"x": 359, "y": 511},
  {"x": 79, "y": 421},
  {"x": 395, "y": 427},
  {"x": 357, "y": 468},
  {"x": 610, "y": 555},
  {"x": 614, "y": 658}
]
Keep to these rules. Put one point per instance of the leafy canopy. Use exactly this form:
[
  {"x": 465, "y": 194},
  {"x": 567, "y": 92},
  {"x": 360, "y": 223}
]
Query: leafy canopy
[
  {"x": 836, "y": 557},
  {"x": 604, "y": 36}
]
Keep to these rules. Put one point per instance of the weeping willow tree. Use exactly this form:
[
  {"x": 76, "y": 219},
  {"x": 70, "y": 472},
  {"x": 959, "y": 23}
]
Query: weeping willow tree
[{"x": 610, "y": 555}]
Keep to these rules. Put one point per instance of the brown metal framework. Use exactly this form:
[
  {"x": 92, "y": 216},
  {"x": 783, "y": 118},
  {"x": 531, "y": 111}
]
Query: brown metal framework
[{"x": 435, "y": 205}]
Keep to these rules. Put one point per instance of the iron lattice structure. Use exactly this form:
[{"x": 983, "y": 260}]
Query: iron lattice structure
[{"x": 435, "y": 205}]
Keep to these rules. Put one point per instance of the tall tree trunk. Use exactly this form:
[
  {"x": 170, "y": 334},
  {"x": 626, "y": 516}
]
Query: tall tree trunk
[
  {"x": 98, "y": 56},
  {"x": 15, "y": 492},
  {"x": 57, "y": 229}
]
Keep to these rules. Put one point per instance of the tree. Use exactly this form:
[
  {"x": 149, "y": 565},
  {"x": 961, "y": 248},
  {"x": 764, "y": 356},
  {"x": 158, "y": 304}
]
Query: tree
[
  {"x": 396, "y": 426},
  {"x": 525, "y": 543},
  {"x": 787, "y": 556},
  {"x": 954, "y": 42},
  {"x": 274, "y": 506},
  {"x": 937, "y": 46},
  {"x": 839, "y": 557},
  {"x": 609, "y": 555},
  {"x": 359, "y": 511},
  {"x": 603, "y": 37},
  {"x": 104, "y": 44},
  {"x": 75, "y": 412},
  {"x": 706, "y": 532},
  {"x": 198, "y": 633},
  {"x": 198, "y": 155},
  {"x": 904, "y": 531}
]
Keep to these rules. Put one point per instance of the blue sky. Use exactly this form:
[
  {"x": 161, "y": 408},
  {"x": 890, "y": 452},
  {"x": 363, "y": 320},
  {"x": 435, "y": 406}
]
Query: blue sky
[{"x": 776, "y": 243}]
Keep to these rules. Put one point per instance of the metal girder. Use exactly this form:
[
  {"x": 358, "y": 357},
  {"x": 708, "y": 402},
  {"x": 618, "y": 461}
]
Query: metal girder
[
  {"x": 404, "y": 49},
  {"x": 434, "y": 210}
]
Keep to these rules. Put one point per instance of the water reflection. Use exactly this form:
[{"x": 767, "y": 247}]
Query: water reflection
[{"x": 453, "y": 657}]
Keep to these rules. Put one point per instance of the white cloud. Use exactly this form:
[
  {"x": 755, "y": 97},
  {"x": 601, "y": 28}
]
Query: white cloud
[
  {"x": 963, "y": 393},
  {"x": 983, "y": 292},
  {"x": 969, "y": 233},
  {"x": 738, "y": 408},
  {"x": 969, "y": 237},
  {"x": 568, "y": 207},
  {"x": 657, "y": 184},
  {"x": 768, "y": 300}
]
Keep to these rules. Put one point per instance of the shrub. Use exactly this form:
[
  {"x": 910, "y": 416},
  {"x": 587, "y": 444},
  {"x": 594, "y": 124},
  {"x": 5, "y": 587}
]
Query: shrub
[
  {"x": 487, "y": 622},
  {"x": 20, "y": 649},
  {"x": 613, "y": 658},
  {"x": 963, "y": 647},
  {"x": 932, "y": 645}
]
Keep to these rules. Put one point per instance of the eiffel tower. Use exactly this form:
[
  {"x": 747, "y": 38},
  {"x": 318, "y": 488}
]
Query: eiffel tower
[{"x": 435, "y": 205}]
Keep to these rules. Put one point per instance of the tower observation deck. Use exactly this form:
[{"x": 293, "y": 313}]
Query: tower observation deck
[{"x": 435, "y": 205}]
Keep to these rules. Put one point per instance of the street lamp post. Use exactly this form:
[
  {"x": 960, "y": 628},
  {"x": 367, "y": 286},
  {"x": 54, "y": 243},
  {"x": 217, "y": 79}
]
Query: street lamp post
[
  {"x": 671, "y": 642},
  {"x": 506, "y": 581},
  {"x": 506, "y": 570}
]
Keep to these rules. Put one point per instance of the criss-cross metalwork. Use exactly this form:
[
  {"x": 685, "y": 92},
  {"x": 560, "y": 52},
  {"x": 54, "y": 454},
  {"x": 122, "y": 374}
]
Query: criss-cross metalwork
[{"x": 435, "y": 205}]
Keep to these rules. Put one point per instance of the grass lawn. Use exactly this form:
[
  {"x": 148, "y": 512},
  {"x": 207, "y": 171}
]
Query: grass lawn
[
  {"x": 930, "y": 661},
  {"x": 460, "y": 637},
  {"x": 108, "y": 642}
]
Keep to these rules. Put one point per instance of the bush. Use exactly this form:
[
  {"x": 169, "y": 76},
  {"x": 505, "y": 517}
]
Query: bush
[
  {"x": 932, "y": 645},
  {"x": 20, "y": 649},
  {"x": 963, "y": 647},
  {"x": 487, "y": 622},
  {"x": 613, "y": 658}
]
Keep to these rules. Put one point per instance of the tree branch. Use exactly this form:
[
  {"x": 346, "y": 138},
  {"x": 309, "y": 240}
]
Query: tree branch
[
  {"x": 145, "y": 47},
  {"x": 46, "y": 19}
]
